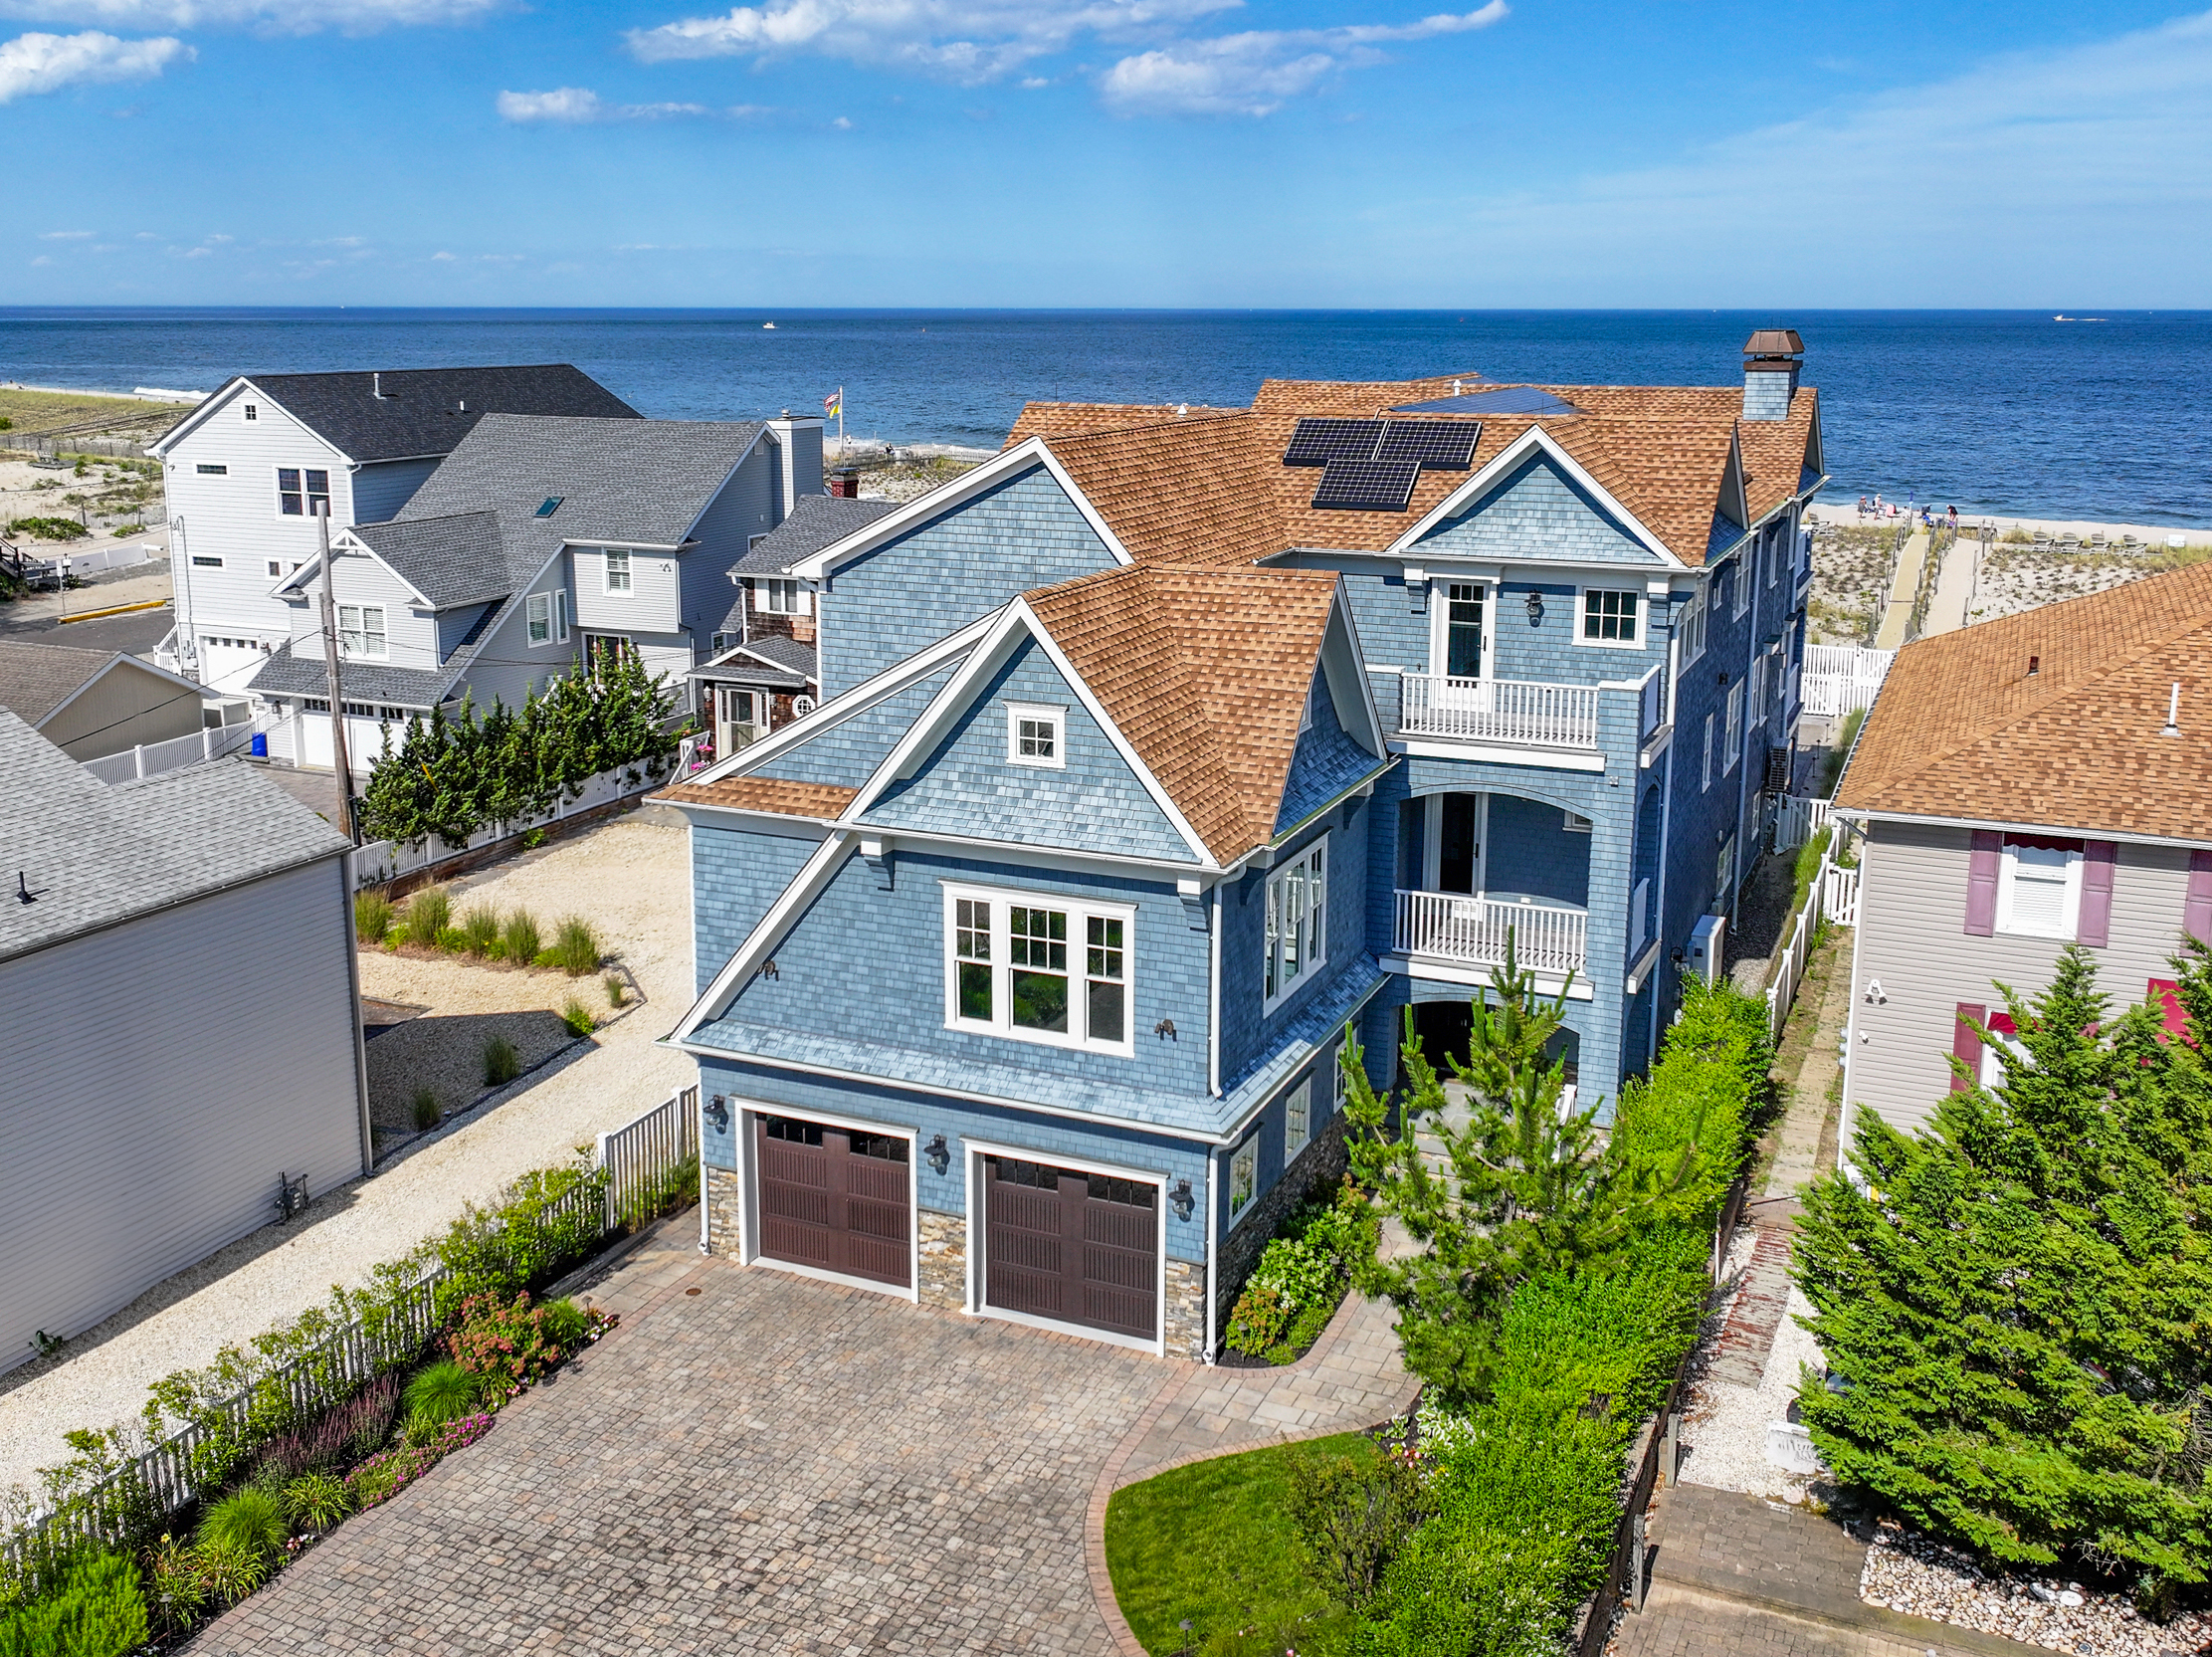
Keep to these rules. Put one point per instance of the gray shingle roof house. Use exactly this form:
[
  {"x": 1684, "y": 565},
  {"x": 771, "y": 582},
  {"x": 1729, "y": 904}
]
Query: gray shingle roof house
[
  {"x": 90, "y": 703},
  {"x": 540, "y": 542},
  {"x": 139, "y": 1144}
]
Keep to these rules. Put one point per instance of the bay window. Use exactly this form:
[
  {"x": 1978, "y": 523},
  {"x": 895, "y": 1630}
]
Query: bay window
[
  {"x": 1297, "y": 922},
  {"x": 1036, "y": 969}
]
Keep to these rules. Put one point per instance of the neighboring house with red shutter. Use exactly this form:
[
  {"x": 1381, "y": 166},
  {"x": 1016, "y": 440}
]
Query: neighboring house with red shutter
[{"x": 2028, "y": 783}]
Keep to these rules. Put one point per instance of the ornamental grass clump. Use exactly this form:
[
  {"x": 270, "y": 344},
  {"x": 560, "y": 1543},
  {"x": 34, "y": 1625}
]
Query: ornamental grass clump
[
  {"x": 372, "y": 916},
  {"x": 576, "y": 947},
  {"x": 480, "y": 930},
  {"x": 502, "y": 1064},
  {"x": 424, "y": 1110},
  {"x": 518, "y": 939},
  {"x": 440, "y": 1393},
  {"x": 317, "y": 1502},
  {"x": 429, "y": 913},
  {"x": 578, "y": 1018},
  {"x": 250, "y": 1520},
  {"x": 617, "y": 991}
]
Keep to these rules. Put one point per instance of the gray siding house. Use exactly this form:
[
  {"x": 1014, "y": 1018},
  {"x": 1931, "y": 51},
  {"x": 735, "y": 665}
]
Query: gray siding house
[
  {"x": 94, "y": 703},
  {"x": 2032, "y": 783},
  {"x": 154, "y": 927}
]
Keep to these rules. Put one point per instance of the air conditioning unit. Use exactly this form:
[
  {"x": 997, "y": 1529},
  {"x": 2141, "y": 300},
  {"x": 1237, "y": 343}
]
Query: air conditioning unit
[{"x": 1708, "y": 941}]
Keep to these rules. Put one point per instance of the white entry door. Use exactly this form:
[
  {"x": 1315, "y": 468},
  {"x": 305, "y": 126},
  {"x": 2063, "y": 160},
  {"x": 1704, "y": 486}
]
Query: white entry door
[{"x": 740, "y": 717}]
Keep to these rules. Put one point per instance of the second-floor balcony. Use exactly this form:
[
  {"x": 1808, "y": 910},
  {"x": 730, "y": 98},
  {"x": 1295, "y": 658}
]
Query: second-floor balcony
[
  {"x": 1520, "y": 711},
  {"x": 1472, "y": 930}
]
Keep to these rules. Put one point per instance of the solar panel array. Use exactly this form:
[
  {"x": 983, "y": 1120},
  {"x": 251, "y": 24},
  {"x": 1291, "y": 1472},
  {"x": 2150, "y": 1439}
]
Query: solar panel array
[
  {"x": 1369, "y": 466},
  {"x": 1366, "y": 486}
]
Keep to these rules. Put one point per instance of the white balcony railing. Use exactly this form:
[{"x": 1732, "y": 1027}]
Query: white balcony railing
[
  {"x": 1472, "y": 930},
  {"x": 1512, "y": 710}
]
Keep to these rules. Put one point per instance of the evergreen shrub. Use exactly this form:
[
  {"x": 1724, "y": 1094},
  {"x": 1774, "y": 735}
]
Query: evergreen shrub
[{"x": 97, "y": 1612}]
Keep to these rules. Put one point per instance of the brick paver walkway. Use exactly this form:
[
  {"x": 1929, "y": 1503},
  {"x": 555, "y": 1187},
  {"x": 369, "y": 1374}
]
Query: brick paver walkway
[{"x": 752, "y": 1463}]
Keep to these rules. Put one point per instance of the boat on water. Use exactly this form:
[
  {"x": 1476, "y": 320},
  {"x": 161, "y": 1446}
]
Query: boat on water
[{"x": 771, "y": 324}]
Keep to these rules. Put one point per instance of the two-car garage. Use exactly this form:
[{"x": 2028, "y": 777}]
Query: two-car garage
[{"x": 1070, "y": 1246}]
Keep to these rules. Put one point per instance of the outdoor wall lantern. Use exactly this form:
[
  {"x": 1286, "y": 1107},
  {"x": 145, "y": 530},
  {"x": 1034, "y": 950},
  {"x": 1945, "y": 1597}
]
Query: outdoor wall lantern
[
  {"x": 718, "y": 1113},
  {"x": 1181, "y": 1198},
  {"x": 939, "y": 1153},
  {"x": 1536, "y": 607}
]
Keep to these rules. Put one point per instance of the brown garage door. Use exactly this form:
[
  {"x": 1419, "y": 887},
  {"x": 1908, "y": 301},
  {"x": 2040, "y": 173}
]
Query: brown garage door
[
  {"x": 1079, "y": 1248},
  {"x": 835, "y": 1198}
]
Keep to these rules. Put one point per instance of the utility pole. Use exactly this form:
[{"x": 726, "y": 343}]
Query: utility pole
[{"x": 338, "y": 694}]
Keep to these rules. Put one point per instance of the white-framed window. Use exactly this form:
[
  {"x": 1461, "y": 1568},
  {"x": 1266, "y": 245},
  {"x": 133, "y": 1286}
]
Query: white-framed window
[
  {"x": 722, "y": 642},
  {"x": 1611, "y": 616},
  {"x": 801, "y": 707},
  {"x": 2005, "y": 1053},
  {"x": 1244, "y": 1176},
  {"x": 303, "y": 491},
  {"x": 1032, "y": 968},
  {"x": 782, "y": 598},
  {"x": 1036, "y": 735},
  {"x": 362, "y": 631},
  {"x": 560, "y": 614},
  {"x": 1724, "y": 872},
  {"x": 1297, "y": 1120},
  {"x": 1462, "y": 626},
  {"x": 216, "y": 469},
  {"x": 538, "y": 617},
  {"x": 617, "y": 571},
  {"x": 252, "y": 413},
  {"x": 1758, "y": 690},
  {"x": 1691, "y": 628},
  {"x": 275, "y": 568},
  {"x": 1740, "y": 584},
  {"x": 1576, "y": 823},
  {"x": 1638, "y": 916},
  {"x": 1706, "y": 780},
  {"x": 1297, "y": 922},
  {"x": 1734, "y": 749},
  {"x": 2039, "y": 889}
]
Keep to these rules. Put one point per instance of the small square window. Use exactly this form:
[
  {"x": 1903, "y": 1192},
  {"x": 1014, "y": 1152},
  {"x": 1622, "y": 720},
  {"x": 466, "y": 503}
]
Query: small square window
[
  {"x": 1576, "y": 823},
  {"x": 275, "y": 568},
  {"x": 1034, "y": 735},
  {"x": 1609, "y": 617}
]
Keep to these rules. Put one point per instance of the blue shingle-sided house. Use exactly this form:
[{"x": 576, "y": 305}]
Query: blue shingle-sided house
[{"x": 1162, "y": 750}]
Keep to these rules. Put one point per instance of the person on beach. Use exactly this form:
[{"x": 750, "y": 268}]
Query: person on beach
[
  {"x": 1862, "y": 509},
  {"x": 1953, "y": 514}
]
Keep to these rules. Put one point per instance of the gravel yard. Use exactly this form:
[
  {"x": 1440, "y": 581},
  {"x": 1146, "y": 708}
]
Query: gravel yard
[{"x": 630, "y": 879}]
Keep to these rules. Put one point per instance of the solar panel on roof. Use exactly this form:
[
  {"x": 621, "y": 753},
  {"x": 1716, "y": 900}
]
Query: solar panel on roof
[
  {"x": 1366, "y": 486},
  {"x": 1511, "y": 399},
  {"x": 1317, "y": 442},
  {"x": 1448, "y": 445}
]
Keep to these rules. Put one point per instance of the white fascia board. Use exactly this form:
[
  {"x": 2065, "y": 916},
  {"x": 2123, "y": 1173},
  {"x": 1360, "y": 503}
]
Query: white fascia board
[
  {"x": 2061, "y": 831},
  {"x": 1340, "y": 610},
  {"x": 1024, "y": 856},
  {"x": 813, "y": 875},
  {"x": 199, "y": 690},
  {"x": 345, "y": 540},
  {"x": 593, "y": 543},
  {"x": 1533, "y": 440},
  {"x": 859, "y": 699},
  {"x": 818, "y": 566},
  {"x": 1018, "y": 619}
]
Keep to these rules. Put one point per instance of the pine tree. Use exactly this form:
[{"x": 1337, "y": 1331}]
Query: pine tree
[
  {"x": 1526, "y": 1187},
  {"x": 2019, "y": 1299}
]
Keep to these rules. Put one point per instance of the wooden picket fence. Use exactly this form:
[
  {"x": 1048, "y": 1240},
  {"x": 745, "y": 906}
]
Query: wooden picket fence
[{"x": 170, "y": 1475}]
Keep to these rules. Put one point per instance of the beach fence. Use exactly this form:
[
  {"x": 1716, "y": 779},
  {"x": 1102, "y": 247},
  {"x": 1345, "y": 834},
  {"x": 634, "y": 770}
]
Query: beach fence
[{"x": 1836, "y": 679}]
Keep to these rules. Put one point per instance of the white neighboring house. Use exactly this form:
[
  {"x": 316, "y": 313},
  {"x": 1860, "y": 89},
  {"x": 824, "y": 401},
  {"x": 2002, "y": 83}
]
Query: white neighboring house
[
  {"x": 182, "y": 1029},
  {"x": 540, "y": 542},
  {"x": 246, "y": 468}
]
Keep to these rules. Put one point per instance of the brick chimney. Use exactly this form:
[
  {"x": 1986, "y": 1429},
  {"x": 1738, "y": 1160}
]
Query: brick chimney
[{"x": 1772, "y": 358}]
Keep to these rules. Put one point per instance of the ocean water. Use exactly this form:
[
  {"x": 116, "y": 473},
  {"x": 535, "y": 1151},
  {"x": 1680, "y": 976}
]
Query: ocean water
[{"x": 1990, "y": 411}]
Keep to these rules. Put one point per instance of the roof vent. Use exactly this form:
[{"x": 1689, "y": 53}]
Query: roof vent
[
  {"x": 2173, "y": 711},
  {"x": 2034, "y": 666},
  {"x": 376, "y": 387}
]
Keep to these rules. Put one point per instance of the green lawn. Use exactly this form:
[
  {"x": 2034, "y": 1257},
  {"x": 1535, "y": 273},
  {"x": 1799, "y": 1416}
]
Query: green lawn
[{"x": 1210, "y": 1543}]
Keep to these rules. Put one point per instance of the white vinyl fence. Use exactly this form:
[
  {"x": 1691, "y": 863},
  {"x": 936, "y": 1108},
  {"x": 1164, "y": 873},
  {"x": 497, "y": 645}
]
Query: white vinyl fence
[
  {"x": 1834, "y": 896},
  {"x": 1835, "y": 679},
  {"x": 385, "y": 859},
  {"x": 152, "y": 758},
  {"x": 1797, "y": 819}
]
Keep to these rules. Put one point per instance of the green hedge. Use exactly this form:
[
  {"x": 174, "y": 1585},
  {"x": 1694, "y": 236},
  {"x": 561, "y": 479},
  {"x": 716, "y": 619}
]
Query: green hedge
[
  {"x": 451, "y": 777},
  {"x": 96, "y": 1611}
]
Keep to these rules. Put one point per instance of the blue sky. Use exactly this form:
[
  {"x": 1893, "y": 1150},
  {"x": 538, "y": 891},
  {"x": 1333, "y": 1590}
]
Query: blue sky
[{"x": 1105, "y": 152}]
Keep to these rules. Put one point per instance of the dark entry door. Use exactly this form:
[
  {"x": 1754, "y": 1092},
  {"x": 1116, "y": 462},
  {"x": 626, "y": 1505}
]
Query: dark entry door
[
  {"x": 1077, "y": 1248},
  {"x": 835, "y": 1198}
]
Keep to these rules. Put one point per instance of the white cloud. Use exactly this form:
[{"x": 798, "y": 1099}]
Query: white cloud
[
  {"x": 46, "y": 63},
  {"x": 441, "y": 258},
  {"x": 1251, "y": 73},
  {"x": 287, "y": 17},
  {"x": 966, "y": 41},
  {"x": 43, "y": 259},
  {"x": 66, "y": 235},
  {"x": 576, "y": 106}
]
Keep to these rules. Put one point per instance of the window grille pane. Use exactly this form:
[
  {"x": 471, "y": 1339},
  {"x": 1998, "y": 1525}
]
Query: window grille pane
[
  {"x": 1040, "y": 1000},
  {"x": 972, "y": 930},
  {"x": 1105, "y": 948},
  {"x": 1038, "y": 738},
  {"x": 976, "y": 991},
  {"x": 1040, "y": 938},
  {"x": 1107, "y": 1011},
  {"x": 1243, "y": 1169}
]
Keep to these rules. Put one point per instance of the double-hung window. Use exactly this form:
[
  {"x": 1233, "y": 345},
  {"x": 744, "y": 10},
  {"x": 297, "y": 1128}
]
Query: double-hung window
[
  {"x": 1707, "y": 779},
  {"x": 1463, "y": 630},
  {"x": 782, "y": 598},
  {"x": 1691, "y": 628},
  {"x": 1244, "y": 1176},
  {"x": 1733, "y": 751},
  {"x": 1610, "y": 616},
  {"x": 2039, "y": 888},
  {"x": 538, "y": 617},
  {"x": 1758, "y": 690},
  {"x": 617, "y": 571},
  {"x": 302, "y": 493},
  {"x": 362, "y": 631},
  {"x": 1740, "y": 583},
  {"x": 1047, "y": 969},
  {"x": 1297, "y": 1120},
  {"x": 1297, "y": 922}
]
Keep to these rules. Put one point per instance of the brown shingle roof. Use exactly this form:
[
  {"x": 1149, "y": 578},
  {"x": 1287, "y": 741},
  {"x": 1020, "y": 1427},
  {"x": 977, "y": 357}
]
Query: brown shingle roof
[
  {"x": 1962, "y": 730},
  {"x": 1205, "y": 671},
  {"x": 765, "y": 794},
  {"x": 1210, "y": 487}
]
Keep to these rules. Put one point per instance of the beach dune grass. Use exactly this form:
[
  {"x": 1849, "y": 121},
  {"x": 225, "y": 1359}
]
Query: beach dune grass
[{"x": 1212, "y": 1544}]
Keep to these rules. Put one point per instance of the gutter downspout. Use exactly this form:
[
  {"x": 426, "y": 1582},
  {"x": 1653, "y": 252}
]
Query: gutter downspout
[
  {"x": 1666, "y": 835},
  {"x": 360, "y": 1047},
  {"x": 1213, "y": 1246},
  {"x": 1746, "y": 567},
  {"x": 1213, "y": 1011}
]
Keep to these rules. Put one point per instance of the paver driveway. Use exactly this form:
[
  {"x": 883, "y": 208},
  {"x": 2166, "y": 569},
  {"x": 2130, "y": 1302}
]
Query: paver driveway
[{"x": 770, "y": 1464}]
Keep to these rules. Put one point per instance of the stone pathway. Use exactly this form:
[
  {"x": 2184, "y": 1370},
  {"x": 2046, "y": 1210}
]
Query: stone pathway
[{"x": 1746, "y": 1340}]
